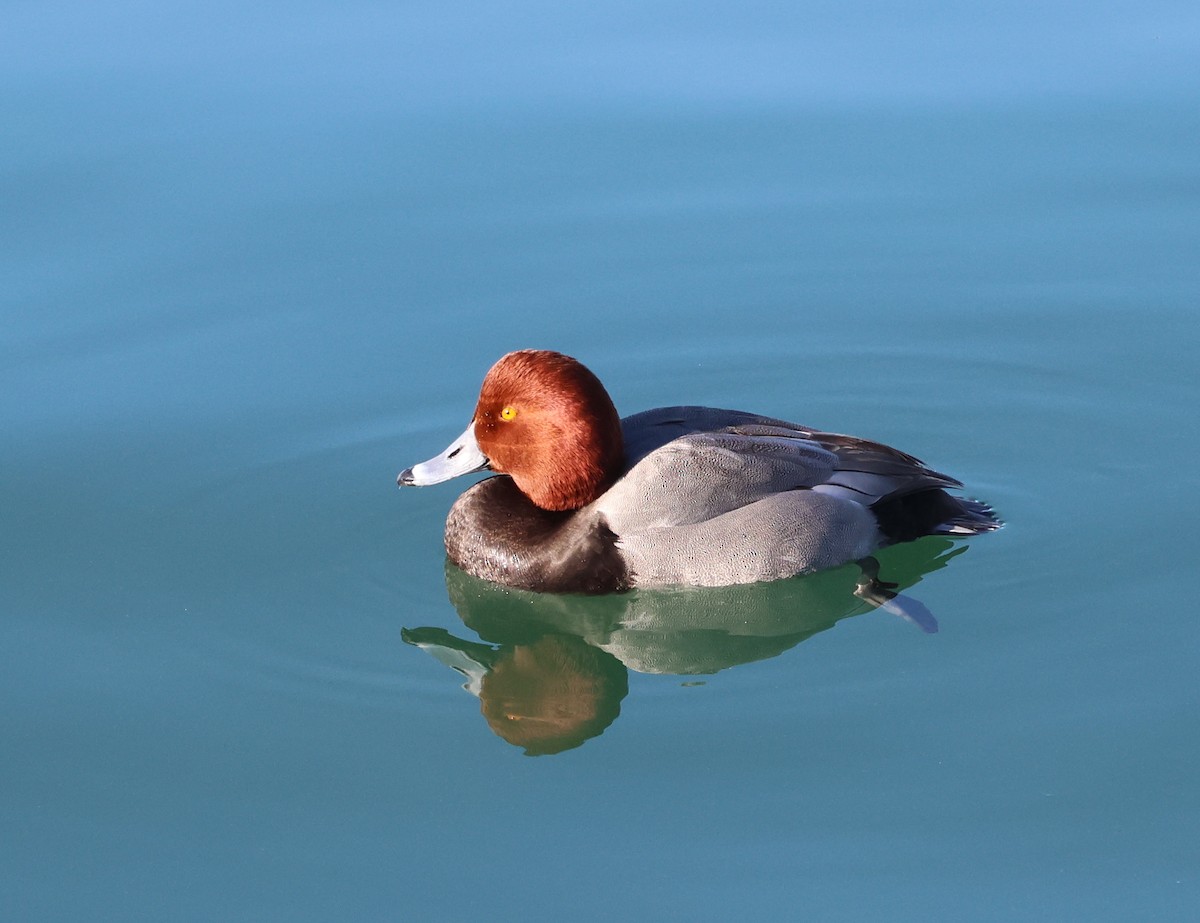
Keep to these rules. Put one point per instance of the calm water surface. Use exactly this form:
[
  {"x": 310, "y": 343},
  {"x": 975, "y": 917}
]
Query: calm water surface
[{"x": 257, "y": 262}]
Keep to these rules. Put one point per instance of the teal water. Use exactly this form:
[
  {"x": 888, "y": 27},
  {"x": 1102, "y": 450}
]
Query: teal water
[{"x": 257, "y": 261}]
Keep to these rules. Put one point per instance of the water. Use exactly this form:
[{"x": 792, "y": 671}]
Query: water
[{"x": 257, "y": 261}]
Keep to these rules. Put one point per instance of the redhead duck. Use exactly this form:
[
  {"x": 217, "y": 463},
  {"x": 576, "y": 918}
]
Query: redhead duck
[{"x": 588, "y": 502}]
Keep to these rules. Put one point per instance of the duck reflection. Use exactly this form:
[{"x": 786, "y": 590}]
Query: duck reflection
[{"x": 550, "y": 670}]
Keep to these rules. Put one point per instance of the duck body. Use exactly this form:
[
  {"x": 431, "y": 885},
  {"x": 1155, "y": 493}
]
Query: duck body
[{"x": 694, "y": 496}]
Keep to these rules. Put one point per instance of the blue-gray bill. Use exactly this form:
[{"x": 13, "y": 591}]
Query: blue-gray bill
[{"x": 462, "y": 456}]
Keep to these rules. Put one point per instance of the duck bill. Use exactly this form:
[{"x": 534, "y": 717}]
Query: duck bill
[{"x": 462, "y": 456}]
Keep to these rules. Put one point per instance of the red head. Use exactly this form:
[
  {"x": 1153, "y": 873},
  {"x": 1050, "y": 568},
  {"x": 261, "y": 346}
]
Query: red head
[{"x": 546, "y": 421}]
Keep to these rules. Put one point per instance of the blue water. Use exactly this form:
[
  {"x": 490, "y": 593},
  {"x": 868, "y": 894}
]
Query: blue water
[{"x": 256, "y": 261}]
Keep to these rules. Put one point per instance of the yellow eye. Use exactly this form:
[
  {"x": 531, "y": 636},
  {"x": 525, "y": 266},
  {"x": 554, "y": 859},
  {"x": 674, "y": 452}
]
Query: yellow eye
[{"x": 508, "y": 413}]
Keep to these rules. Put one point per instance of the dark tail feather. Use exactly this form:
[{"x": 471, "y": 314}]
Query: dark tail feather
[
  {"x": 974, "y": 518},
  {"x": 933, "y": 512}
]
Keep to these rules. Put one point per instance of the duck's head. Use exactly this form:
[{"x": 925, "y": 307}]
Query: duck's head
[{"x": 546, "y": 421}]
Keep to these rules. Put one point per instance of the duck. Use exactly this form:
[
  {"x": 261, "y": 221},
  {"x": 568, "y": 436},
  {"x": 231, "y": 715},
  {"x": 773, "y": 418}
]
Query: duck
[{"x": 583, "y": 501}]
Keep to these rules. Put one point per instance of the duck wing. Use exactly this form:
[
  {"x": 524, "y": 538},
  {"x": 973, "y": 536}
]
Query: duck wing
[
  {"x": 699, "y": 476},
  {"x": 652, "y": 429},
  {"x": 690, "y": 464},
  {"x": 870, "y": 472}
]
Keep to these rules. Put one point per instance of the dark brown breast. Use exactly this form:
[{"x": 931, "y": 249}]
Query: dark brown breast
[{"x": 495, "y": 533}]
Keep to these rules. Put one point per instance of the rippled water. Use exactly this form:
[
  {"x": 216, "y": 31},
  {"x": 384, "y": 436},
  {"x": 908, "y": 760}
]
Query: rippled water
[{"x": 258, "y": 261}]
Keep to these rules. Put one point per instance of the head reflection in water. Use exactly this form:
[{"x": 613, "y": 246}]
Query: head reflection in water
[{"x": 553, "y": 694}]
